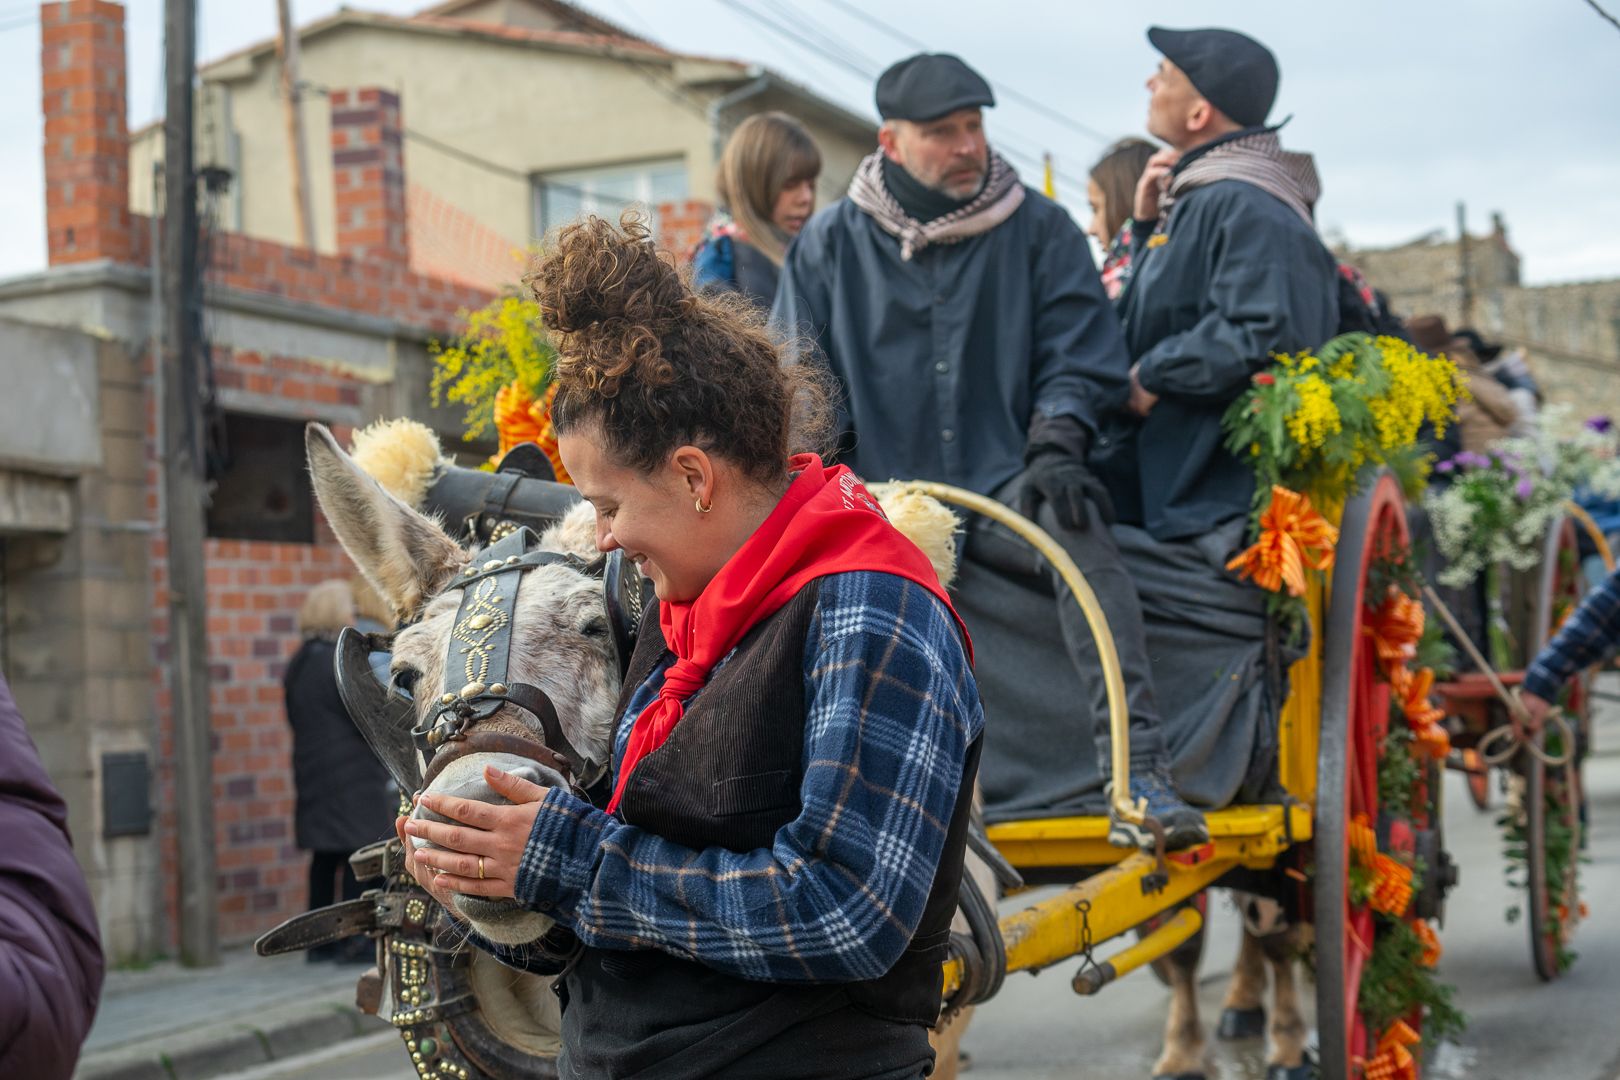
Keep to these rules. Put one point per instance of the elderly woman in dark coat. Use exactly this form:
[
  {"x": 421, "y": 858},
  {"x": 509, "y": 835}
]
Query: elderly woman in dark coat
[{"x": 345, "y": 797}]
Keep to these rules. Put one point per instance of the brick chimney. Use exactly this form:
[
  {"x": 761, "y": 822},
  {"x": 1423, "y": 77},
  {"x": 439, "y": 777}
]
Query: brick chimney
[
  {"x": 86, "y": 134},
  {"x": 368, "y": 174}
]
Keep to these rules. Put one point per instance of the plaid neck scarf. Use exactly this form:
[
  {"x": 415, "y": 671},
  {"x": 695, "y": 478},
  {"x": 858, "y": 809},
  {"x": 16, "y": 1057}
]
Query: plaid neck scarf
[
  {"x": 1257, "y": 159},
  {"x": 1002, "y": 194}
]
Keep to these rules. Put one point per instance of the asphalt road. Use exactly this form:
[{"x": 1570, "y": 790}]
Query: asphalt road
[{"x": 1037, "y": 1029}]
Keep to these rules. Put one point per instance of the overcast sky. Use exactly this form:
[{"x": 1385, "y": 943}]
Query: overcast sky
[{"x": 1409, "y": 105}]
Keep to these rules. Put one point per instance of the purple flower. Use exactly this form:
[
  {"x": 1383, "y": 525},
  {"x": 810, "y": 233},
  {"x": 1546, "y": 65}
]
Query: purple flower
[
  {"x": 1524, "y": 488},
  {"x": 1445, "y": 466},
  {"x": 1470, "y": 460},
  {"x": 1599, "y": 424}
]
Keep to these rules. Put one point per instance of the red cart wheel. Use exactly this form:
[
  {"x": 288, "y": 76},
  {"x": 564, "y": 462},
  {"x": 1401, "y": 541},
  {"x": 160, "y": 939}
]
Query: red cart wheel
[
  {"x": 1355, "y": 715},
  {"x": 1552, "y": 794}
]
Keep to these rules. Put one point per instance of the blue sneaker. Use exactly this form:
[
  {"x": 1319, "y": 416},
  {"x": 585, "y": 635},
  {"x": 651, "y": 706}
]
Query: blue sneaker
[{"x": 1184, "y": 827}]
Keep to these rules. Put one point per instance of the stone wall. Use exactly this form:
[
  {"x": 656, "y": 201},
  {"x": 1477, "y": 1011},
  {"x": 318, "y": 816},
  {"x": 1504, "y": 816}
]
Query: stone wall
[
  {"x": 78, "y": 639},
  {"x": 1570, "y": 333}
]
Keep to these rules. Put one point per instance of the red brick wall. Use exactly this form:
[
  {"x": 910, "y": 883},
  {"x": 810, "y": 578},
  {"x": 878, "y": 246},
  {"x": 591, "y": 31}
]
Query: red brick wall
[
  {"x": 254, "y": 591},
  {"x": 448, "y": 242},
  {"x": 681, "y": 226},
  {"x": 86, "y": 138}
]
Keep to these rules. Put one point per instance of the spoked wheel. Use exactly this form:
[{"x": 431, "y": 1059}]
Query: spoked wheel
[
  {"x": 1355, "y": 715},
  {"x": 1551, "y": 811},
  {"x": 1552, "y": 849}
]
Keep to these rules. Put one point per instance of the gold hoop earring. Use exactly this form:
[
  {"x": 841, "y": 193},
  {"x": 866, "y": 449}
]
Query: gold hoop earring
[{"x": 702, "y": 509}]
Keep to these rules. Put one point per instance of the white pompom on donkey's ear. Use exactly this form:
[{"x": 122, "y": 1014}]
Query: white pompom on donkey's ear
[{"x": 405, "y": 555}]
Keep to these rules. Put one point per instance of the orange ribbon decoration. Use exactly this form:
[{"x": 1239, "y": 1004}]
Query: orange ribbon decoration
[
  {"x": 1431, "y": 942},
  {"x": 1396, "y": 627},
  {"x": 520, "y": 418},
  {"x": 1394, "y": 1061},
  {"x": 1293, "y": 536},
  {"x": 1412, "y": 690},
  {"x": 1391, "y": 878}
]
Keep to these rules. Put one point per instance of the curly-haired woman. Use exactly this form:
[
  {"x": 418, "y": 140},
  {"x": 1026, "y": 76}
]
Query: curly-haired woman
[
  {"x": 768, "y": 892},
  {"x": 767, "y": 187}
]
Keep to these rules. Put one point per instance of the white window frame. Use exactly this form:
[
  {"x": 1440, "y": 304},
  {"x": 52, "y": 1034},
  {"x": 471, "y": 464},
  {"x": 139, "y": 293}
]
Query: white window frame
[{"x": 586, "y": 182}]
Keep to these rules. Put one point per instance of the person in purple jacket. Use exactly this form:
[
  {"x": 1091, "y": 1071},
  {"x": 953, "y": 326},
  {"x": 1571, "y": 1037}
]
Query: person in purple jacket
[{"x": 50, "y": 949}]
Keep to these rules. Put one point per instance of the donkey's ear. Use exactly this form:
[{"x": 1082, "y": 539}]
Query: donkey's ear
[{"x": 406, "y": 556}]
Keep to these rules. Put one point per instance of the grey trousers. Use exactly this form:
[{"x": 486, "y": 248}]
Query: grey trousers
[{"x": 1094, "y": 552}]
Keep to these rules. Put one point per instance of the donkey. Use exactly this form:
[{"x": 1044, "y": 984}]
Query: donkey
[
  {"x": 1268, "y": 942},
  {"x": 565, "y": 647}
]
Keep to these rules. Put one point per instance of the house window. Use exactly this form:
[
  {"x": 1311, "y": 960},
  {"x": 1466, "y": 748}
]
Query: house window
[
  {"x": 264, "y": 492},
  {"x": 562, "y": 197}
]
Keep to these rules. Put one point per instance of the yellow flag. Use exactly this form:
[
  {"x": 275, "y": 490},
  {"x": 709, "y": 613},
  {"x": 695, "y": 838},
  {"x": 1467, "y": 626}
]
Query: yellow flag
[{"x": 1048, "y": 184}]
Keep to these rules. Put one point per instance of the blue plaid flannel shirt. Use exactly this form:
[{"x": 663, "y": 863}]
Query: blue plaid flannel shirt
[
  {"x": 892, "y": 708},
  {"x": 1585, "y": 638}
]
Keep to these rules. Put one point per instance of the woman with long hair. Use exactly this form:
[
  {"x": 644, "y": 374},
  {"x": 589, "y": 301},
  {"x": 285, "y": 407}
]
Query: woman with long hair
[
  {"x": 1111, "y": 191},
  {"x": 767, "y": 189},
  {"x": 768, "y": 889}
]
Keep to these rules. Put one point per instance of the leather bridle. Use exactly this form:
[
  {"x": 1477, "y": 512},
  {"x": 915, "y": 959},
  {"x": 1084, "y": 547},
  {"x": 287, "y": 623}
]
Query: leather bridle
[{"x": 479, "y": 653}]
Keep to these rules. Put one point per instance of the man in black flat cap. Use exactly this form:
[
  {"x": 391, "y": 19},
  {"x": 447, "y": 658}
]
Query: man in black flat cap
[
  {"x": 963, "y": 316},
  {"x": 1231, "y": 272},
  {"x": 1227, "y": 271}
]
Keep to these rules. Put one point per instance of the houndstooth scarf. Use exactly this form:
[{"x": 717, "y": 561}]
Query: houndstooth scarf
[
  {"x": 1002, "y": 194},
  {"x": 1257, "y": 159}
]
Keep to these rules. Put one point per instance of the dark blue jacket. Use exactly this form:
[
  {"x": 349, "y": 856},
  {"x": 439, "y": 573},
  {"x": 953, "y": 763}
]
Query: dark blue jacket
[
  {"x": 1239, "y": 276},
  {"x": 945, "y": 359}
]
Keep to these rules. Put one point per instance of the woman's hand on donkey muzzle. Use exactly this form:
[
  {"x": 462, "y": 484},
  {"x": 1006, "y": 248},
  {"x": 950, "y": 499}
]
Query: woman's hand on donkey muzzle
[{"x": 478, "y": 832}]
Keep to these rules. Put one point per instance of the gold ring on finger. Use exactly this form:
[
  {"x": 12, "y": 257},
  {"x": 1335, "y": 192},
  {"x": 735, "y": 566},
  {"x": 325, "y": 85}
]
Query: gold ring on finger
[{"x": 480, "y": 868}]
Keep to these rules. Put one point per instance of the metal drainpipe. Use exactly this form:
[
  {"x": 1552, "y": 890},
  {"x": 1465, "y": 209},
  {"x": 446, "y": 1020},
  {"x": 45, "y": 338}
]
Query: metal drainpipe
[{"x": 753, "y": 88}]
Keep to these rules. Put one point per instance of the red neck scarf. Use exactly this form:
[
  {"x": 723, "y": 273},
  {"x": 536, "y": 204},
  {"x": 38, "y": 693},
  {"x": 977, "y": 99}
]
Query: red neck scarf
[{"x": 826, "y": 524}]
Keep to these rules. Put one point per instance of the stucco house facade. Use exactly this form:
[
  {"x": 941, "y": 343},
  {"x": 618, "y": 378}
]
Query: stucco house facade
[{"x": 517, "y": 116}]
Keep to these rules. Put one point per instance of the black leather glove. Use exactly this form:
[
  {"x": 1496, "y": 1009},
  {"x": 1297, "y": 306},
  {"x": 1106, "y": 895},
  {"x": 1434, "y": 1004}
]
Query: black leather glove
[{"x": 1056, "y": 473}]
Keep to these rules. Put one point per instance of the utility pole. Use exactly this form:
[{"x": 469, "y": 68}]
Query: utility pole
[
  {"x": 185, "y": 497},
  {"x": 287, "y": 51},
  {"x": 1465, "y": 277}
]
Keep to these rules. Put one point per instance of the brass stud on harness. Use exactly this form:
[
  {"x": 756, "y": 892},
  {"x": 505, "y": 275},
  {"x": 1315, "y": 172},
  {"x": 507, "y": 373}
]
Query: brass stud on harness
[
  {"x": 472, "y": 690},
  {"x": 479, "y": 622},
  {"x": 493, "y": 564},
  {"x": 498, "y": 689},
  {"x": 448, "y": 699},
  {"x": 512, "y": 560}
]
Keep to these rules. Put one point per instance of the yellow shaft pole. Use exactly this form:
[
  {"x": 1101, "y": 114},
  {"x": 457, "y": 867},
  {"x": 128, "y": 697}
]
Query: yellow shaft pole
[{"x": 1175, "y": 930}]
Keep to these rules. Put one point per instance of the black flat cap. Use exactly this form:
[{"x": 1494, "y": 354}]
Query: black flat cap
[
  {"x": 929, "y": 85},
  {"x": 1234, "y": 72}
]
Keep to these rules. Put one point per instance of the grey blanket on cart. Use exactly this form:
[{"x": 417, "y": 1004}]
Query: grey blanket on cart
[{"x": 1206, "y": 640}]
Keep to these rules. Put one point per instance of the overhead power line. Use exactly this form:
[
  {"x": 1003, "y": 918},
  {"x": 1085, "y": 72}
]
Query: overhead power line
[
  {"x": 1030, "y": 159},
  {"x": 1009, "y": 92},
  {"x": 1593, "y": 4}
]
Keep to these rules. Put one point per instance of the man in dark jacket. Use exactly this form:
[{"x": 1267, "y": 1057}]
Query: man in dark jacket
[
  {"x": 1229, "y": 270},
  {"x": 965, "y": 321},
  {"x": 50, "y": 948}
]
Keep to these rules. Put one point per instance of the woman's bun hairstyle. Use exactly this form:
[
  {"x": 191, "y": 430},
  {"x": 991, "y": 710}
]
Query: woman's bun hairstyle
[{"x": 658, "y": 366}]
